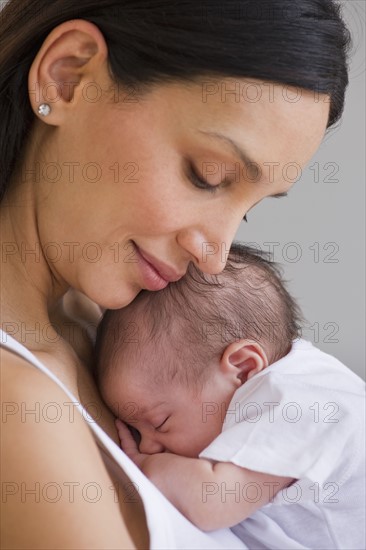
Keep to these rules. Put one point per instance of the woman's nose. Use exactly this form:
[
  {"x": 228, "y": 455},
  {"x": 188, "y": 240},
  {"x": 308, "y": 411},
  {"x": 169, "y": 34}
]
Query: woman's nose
[
  {"x": 208, "y": 250},
  {"x": 149, "y": 445}
]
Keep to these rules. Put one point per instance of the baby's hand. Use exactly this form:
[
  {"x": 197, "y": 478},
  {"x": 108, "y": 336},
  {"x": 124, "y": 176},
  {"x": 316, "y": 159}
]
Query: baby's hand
[{"x": 129, "y": 445}]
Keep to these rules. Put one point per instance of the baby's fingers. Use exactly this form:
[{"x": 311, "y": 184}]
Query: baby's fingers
[{"x": 128, "y": 443}]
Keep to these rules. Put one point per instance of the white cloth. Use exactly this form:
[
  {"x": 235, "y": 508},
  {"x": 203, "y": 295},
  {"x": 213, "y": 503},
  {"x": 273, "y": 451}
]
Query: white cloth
[
  {"x": 168, "y": 528},
  {"x": 301, "y": 417}
]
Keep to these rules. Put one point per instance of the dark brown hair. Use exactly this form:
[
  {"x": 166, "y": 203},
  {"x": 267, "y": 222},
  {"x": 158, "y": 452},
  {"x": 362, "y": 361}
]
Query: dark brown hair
[{"x": 302, "y": 43}]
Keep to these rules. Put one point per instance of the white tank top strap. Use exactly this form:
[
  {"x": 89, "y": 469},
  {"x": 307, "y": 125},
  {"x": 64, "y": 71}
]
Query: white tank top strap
[
  {"x": 168, "y": 528},
  {"x": 14, "y": 346}
]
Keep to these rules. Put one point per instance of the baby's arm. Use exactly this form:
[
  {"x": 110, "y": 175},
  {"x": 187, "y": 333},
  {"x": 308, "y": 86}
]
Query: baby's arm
[{"x": 210, "y": 495}]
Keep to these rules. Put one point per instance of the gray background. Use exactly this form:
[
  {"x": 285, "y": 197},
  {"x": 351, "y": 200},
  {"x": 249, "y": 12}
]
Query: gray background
[{"x": 327, "y": 279}]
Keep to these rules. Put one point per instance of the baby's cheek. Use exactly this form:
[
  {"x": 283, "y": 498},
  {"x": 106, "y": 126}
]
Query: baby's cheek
[{"x": 188, "y": 445}]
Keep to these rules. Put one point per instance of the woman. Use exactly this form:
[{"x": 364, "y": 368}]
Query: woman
[{"x": 134, "y": 138}]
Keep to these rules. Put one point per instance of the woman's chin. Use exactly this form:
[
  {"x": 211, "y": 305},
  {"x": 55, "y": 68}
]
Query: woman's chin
[{"x": 116, "y": 300}]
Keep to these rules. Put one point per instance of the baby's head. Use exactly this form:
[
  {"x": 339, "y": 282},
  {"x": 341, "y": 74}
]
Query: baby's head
[{"x": 170, "y": 362}]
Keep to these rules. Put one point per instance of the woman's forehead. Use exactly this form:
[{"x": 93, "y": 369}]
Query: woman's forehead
[{"x": 266, "y": 117}]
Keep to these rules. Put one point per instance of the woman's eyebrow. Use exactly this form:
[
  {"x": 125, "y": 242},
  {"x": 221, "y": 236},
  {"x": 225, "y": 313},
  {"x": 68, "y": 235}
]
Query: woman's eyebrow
[{"x": 239, "y": 152}]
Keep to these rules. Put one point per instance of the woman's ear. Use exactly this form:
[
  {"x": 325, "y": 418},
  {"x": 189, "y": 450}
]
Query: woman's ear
[
  {"x": 242, "y": 360},
  {"x": 74, "y": 54}
]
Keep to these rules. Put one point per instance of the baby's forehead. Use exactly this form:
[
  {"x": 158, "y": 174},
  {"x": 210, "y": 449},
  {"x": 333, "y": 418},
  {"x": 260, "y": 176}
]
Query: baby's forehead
[
  {"x": 140, "y": 410},
  {"x": 144, "y": 409}
]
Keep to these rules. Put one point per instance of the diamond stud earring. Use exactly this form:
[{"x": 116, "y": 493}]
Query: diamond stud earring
[{"x": 44, "y": 109}]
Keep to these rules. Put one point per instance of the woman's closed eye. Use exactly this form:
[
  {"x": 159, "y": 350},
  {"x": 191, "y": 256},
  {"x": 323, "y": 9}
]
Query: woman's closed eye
[{"x": 201, "y": 183}]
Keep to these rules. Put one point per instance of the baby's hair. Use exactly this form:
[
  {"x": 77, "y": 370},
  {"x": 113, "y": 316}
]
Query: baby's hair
[{"x": 180, "y": 331}]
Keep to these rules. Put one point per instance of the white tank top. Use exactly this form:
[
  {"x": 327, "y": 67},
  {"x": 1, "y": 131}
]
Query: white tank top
[{"x": 168, "y": 528}]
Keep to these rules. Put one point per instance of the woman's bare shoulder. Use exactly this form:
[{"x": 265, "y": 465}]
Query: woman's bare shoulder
[
  {"x": 13, "y": 366},
  {"x": 55, "y": 485}
]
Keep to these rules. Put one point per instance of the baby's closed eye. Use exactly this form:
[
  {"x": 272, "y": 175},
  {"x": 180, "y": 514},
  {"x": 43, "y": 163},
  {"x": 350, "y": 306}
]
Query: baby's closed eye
[{"x": 161, "y": 425}]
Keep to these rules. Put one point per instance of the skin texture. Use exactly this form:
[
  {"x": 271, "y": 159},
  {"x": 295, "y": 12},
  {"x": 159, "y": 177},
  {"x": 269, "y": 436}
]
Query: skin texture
[
  {"x": 176, "y": 424},
  {"x": 184, "y": 481},
  {"x": 28, "y": 442},
  {"x": 159, "y": 412},
  {"x": 163, "y": 212}
]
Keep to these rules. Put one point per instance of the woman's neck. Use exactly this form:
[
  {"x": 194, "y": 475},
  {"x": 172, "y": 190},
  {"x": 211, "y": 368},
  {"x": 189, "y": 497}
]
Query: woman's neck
[
  {"x": 30, "y": 290},
  {"x": 32, "y": 309}
]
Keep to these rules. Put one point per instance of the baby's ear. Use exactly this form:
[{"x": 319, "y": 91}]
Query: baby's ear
[{"x": 242, "y": 360}]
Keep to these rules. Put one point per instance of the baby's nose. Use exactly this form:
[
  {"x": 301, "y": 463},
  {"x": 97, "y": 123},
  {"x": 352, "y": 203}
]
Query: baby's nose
[{"x": 149, "y": 446}]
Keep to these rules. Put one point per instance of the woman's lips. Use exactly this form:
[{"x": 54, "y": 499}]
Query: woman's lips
[{"x": 155, "y": 274}]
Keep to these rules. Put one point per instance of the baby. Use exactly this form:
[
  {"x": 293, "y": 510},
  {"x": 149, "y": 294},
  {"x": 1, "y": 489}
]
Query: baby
[{"x": 241, "y": 423}]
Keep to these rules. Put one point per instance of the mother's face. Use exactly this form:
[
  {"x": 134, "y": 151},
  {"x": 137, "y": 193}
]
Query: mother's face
[{"x": 144, "y": 200}]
